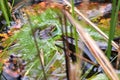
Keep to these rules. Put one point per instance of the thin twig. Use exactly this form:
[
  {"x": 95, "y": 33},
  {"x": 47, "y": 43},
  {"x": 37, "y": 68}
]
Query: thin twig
[
  {"x": 85, "y": 59},
  {"x": 67, "y": 61},
  {"x": 80, "y": 57},
  {"x": 36, "y": 44},
  {"x": 19, "y": 5}
]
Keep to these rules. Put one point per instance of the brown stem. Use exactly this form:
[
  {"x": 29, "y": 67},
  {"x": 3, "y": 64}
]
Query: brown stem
[
  {"x": 36, "y": 45},
  {"x": 67, "y": 60}
]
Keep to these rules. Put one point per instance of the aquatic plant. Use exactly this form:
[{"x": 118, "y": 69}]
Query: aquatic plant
[
  {"x": 30, "y": 42},
  {"x": 107, "y": 72},
  {"x": 24, "y": 42},
  {"x": 6, "y": 11},
  {"x": 113, "y": 24}
]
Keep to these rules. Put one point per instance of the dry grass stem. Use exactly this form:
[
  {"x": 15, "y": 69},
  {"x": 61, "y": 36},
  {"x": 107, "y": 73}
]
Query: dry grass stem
[
  {"x": 93, "y": 25},
  {"x": 42, "y": 56},
  {"x": 95, "y": 50}
]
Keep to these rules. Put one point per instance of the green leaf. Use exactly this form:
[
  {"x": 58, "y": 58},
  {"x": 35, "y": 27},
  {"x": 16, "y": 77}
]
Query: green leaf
[
  {"x": 99, "y": 77},
  {"x": 6, "y": 11},
  {"x": 113, "y": 25}
]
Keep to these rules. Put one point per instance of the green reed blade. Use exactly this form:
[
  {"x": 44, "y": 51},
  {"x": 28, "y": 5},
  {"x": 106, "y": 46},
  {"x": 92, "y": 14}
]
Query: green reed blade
[{"x": 113, "y": 24}]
